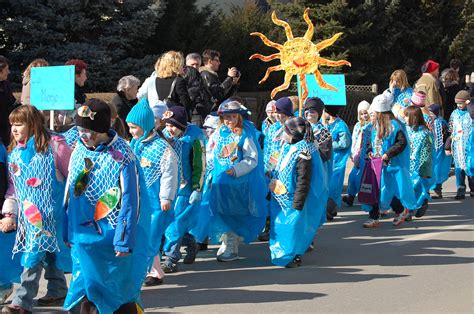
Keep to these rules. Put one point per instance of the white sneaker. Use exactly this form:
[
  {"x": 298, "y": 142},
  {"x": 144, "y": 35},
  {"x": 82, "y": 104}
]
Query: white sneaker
[
  {"x": 4, "y": 294},
  {"x": 223, "y": 246}
]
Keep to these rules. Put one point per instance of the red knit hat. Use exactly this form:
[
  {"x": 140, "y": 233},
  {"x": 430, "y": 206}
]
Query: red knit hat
[{"x": 430, "y": 66}]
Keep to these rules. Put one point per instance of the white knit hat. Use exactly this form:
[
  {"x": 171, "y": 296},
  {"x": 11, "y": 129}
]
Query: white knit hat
[
  {"x": 363, "y": 106},
  {"x": 382, "y": 102},
  {"x": 211, "y": 122},
  {"x": 270, "y": 106}
]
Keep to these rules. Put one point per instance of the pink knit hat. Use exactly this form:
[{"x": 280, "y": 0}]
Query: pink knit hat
[{"x": 418, "y": 99}]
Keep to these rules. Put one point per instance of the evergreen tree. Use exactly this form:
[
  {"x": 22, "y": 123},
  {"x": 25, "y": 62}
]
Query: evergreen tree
[{"x": 462, "y": 46}]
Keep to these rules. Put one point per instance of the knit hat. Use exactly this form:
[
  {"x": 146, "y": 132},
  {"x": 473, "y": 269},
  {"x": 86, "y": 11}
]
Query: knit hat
[
  {"x": 285, "y": 106},
  {"x": 429, "y": 66},
  {"x": 270, "y": 106},
  {"x": 211, "y": 122},
  {"x": 363, "y": 106},
  {"x": 158, "y": 110},
  {"x": 332, "y": 110},
  {"x": 461, "y": 97},
  {"x": 94, "y": 115},
  {"x": 298, "y": 129},
  {"x": 314, "y": 103},
  {"x": 382, "y": 102},
  {"x": 434, "y": 108},
  {"x": 142, "y": 115},
  {"x": 418, "y": 99},
  {"x": 176, "y": 116},
  {"x": 230, "y": 106}
]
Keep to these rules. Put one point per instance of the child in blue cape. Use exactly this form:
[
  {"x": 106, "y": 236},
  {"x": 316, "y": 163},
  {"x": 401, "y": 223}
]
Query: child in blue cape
[
  {"x": 441, "y": 161},
  {"x": 313, "y": 110},
  {"x": 107, "y": 235},
  {"x": 296, "y": 204},
  {"x": 238, "y": 191},
  {"x": 38, "y": 168},
  {"x": 421, "y": 164},
  {"x": 461, "y": 144},
  {"x": 341, "y": 148},
  {"x": 389, "y": 142},
  {"x": 188, "y": 142},
  {"x": 358, "y": 153},
  {"x": 158, "y": 171},
  {"x": 10, "y": 269},
  {"x": 270, "y": 119}
]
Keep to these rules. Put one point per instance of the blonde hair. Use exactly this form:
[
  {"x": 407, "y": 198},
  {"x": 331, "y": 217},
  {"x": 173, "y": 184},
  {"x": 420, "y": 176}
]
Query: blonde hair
[
  {"x": 36, "y": 126},
  {"x": 383, "y": 124},
  {"x": 401, "y": 77},
  {"x": 169, "y": 64},
  {"x": 34, "y": 64}
]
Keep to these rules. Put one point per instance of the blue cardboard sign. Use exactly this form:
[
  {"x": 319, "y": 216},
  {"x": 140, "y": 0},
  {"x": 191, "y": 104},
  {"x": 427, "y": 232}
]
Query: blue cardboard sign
[
  {"x": 329, "y": 97},
  {"x": 52, "y": 88}
]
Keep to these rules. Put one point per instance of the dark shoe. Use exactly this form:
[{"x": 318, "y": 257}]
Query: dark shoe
[
  {"x": 202, "y": 246},
  {"x": 460, "y": 194},
  {"x": 409, "y": 217},
  {"x": 169, "y": 267},
  {"x": 191, "y": 252},
  {"x": 50, "y": 301},
  {"x": 152, "y": 281},
  {"x": 422, "y": 210},
  {"x": 16, "y": 310},
  {"x": 348, "y": 199},
  {"x": 264, "y": 236},
  {"x": 437, "y": 195},
  {"x": 296, "y": 262}
]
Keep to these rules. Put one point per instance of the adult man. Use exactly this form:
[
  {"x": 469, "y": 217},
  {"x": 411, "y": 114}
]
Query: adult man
[
  {"x": 193, "y": 60},
  {"x": 427, "y": 83},
  {"x": 215, "y": 91}
]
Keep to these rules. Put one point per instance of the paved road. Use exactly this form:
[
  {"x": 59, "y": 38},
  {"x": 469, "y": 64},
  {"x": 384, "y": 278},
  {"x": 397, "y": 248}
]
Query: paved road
[{"x": 422, "y": 266}]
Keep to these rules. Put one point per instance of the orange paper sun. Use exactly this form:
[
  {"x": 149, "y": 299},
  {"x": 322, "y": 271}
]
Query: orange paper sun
[{"x": 298, "y": 56}]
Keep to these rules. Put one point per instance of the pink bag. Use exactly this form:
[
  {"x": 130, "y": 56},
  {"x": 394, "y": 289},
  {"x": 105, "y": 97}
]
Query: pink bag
[{"x": 370, "y": 183}]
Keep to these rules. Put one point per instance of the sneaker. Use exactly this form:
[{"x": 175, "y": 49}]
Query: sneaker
[
  {"x": 50, "y": 301},
  {"x": 400, "y": 218},
  {"x": 152, "y": 281},
  {"x": 191, "y": 252},
  {"x": 460, "y": 194},
  {"x": 437, "y": 195},
  {"x": 227, "y": 257},
  {"x": 5, "y": 293},
  {"x": 296, "y": 262},
  {"x": 372, "y": 223},
  {"x": 422, "y": 210},
  {"x": 409, "y": 217},
  {"x": 348, "y": 199},
  {"x": 169, "y": 267}
]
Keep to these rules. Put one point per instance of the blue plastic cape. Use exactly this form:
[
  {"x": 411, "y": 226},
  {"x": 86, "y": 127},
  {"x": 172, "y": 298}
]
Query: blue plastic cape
[
  {"x": 340, "y": 157},
  {"x": 10, "y": 269},
  {"x": 441, "y": 161},
  {"x": 460, "y": 126},
  {"x": 237, "y": 203},
  {"x": 271, "y": 146},
  {"x": 71, "y": 136},
  {"x": 291, "y": 230},
  {"x": 355, "y": 176},
  {"x": 395, "y": 178}
]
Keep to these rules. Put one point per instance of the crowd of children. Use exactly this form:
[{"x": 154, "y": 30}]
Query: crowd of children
[{"x": 115, "y": 213}]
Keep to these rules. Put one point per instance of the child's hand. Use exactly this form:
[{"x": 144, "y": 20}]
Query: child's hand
[
  {"x": 230, "y": 172},
  {"x": 7, "y": 224},
  {"x": 165, "y": 205},
  {"x": 121, "y": 254},
  {"x": 385, "y": 157}
]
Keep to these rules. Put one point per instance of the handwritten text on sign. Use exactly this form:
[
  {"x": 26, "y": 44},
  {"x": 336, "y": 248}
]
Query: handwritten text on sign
[
  {"x": 329, "y": 97},
  {"x": 52, "y": 88}
]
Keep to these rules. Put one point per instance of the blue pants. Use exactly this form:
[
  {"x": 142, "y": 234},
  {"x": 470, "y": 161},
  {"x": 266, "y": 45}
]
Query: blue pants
[
  {"x": 28, "y": 289},
  {"x": 461, "y": 179},
  {"x": 174, "y": 253}
]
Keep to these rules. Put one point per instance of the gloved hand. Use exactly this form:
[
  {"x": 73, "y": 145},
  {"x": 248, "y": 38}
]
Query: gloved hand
[{"x": 195, "y": 197}]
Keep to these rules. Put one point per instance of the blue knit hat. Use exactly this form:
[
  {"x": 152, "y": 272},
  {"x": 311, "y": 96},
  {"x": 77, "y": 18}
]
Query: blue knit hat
[
  {"x": 142, "y": 115},
  {"x": 285, "y": 106}
]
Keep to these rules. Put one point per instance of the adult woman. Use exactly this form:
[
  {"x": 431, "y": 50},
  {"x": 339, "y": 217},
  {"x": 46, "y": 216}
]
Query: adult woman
[
  {"x": 166, "y": 86},
  {"x": 451, "y": 86},
  {"x": 25, "y": 90},
  {"x": 6, "y": 100},
  {"x": 126, "y": 97}
]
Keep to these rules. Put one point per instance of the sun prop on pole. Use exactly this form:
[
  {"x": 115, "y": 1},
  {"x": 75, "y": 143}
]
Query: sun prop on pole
[{"x": 298, "y": 56}]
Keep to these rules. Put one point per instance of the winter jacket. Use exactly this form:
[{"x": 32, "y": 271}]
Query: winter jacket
[
  {"x": 214, "y": 91},
  {"x": 7, "y": 102},
  {"x": 303, "y": 180},
  {"x": 428, "y": 84}
]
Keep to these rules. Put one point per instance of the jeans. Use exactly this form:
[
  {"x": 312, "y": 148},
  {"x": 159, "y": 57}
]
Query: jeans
[
  {"x": 461, "y": 179},
  {"x": 174, "y": 254},
  {"x": 28, "y": 289}
]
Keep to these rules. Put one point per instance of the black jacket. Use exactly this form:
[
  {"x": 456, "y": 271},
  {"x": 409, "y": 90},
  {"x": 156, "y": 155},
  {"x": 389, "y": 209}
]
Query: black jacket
[
  {"x": 7, "y": 104},
  {"x": 179, "y": 94},
  {"x": 215, "y": 92},
  {"x": 123, "y": 105},
  {"x": 304, "y": 171}
]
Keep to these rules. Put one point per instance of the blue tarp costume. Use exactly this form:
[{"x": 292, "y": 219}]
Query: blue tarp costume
[
  {"x": 106, "y": 280},
  {"x": 395, "y": 178},
  {"x": 291, "y": 230},
  {"x": 10, "y": 269},
  {"x": 441, "y": 161},
  {"x": 460, "y": 126},
  {"x": 71, "y": 136},
  {"x": 272, "y": 145},
  {"x": 361, "y": 136},
  {"x": 185, "y": 214},
  {"x": 420, "y": 154},
  {"x": 237, "y": 203},
  {"x": 35, "y": 238},
  {"x": 341, "y": 137}
]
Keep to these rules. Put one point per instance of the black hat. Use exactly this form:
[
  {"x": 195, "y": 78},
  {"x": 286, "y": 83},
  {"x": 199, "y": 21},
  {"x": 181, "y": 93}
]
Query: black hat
[
  {"x": 94, "y": 115},
  {"x": 298, "y": 129},
  {"x": 176, "y": 116},
  {"x": 332, "y": 110},
  {"x": 314, "y": 103}
]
